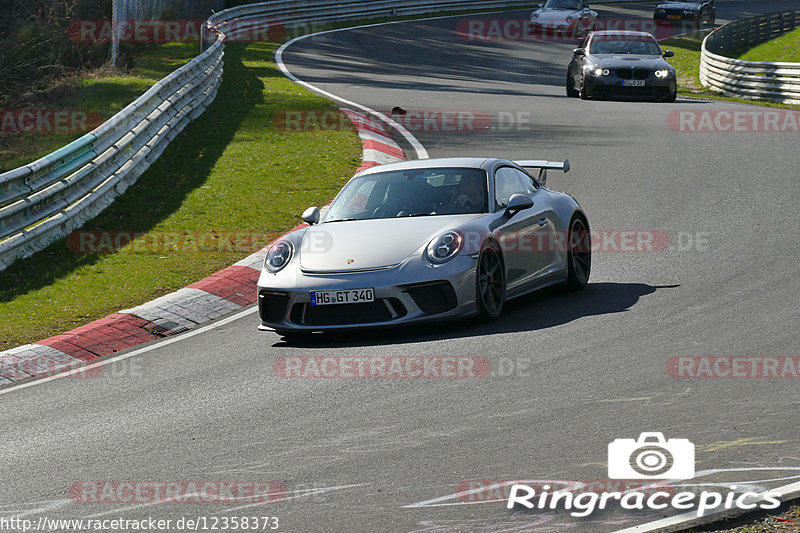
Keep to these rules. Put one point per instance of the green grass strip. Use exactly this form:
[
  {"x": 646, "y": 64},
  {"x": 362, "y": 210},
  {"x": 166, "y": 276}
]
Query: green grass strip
[
  {"x": 230, "y": 171},
  {"x": 786, "y": 47}
]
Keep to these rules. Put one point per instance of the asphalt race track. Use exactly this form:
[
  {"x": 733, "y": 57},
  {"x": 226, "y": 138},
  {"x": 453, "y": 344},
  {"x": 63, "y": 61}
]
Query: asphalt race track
[{"x": 570, "y": 372}]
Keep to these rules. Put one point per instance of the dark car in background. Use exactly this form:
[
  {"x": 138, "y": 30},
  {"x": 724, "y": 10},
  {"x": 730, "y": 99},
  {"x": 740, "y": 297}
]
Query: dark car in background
[
  {"x": 621, "y": 63},
  {"x": 696, "y": 13}
]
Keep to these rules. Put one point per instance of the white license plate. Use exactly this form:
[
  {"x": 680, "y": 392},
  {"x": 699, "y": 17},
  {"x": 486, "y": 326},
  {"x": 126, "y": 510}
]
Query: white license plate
[
  {"x": 349, "y": 296},
  {"x": 633, "y": 83}
]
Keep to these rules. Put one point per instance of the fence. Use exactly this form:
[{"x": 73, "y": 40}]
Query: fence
[{"x": 750, "y": 79}]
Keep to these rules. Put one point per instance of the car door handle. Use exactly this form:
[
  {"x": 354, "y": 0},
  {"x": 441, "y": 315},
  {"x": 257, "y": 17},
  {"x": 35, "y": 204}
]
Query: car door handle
[{"x": 542, "y": 221}]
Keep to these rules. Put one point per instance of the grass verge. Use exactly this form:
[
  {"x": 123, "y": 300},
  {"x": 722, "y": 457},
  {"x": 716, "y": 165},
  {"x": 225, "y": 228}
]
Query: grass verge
[
  {"x": 230, "y": 171},
  {"x": 786, "y": 47}
]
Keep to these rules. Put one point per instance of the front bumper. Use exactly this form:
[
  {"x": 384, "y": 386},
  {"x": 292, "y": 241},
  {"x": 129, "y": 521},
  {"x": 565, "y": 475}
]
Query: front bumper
[
  {"x": 674, "y": 18},
  {"x": 612, "y": 85},
  {"x": 411, "y": 292}
]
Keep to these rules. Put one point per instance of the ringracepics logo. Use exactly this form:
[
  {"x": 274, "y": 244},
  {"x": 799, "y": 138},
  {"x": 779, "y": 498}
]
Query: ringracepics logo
[{"x": 649, "y": 457}]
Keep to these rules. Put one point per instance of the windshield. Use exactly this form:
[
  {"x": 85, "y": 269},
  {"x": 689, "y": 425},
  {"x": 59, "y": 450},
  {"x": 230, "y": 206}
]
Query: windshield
[
  {"x": 412, "y": 192},
  {"x": 564, "y": 4},
  {"x": 617, "y": 44}
]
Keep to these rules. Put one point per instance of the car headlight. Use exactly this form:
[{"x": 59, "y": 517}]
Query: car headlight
[
  {"x": 569, "y": 18},
  {"x": 535, "y": 16},
  {"x": 663, "y": 73},
  {"x": 444, "y": 247},
  {"x": 599, "y": 71},
  {"x": 660, "y": 11},
  {"x": 278, "y": 255},
  {"x": 689, "y": 12}
]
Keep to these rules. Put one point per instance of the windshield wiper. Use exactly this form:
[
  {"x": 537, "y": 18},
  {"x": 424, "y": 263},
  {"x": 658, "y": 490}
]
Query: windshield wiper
[{"x": 342, "y": 220}]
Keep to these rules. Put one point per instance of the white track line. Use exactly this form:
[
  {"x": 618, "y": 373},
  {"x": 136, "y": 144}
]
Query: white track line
[{"x": 420, "y": 150}]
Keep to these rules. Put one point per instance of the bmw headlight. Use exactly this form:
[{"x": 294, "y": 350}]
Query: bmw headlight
[
  {"x": 689, "y": 12},
  {"x": 535, "y": 15},
  {"x": 663, "y": 73},
  {"x": 444, "y": 247},
  {"x": 278, "y": 255},
  {"x": 569, "y": 18},
  {"x": 599, "y": 71}
]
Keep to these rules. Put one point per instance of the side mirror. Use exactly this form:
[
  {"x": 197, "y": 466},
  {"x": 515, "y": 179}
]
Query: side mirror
[
  {"x": 669, "y": 53},
  {"x": 579, "y": 52},
  {"x": 517, "y": 203},
  {"x": 311, "y": 215}
]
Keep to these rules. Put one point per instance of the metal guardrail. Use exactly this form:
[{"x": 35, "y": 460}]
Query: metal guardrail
[
  {"x": 47, "y": 199},
  {"x": 774, "y": 81}
]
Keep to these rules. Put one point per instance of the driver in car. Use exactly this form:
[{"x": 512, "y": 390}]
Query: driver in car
[{"x": 470, "y": 193}]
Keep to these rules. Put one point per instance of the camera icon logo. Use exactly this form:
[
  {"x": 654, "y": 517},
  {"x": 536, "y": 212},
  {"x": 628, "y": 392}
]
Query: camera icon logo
[{"x": 650, "y": 457}]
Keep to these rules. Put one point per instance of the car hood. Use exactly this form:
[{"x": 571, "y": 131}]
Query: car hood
[
  {"x": 628, "y": 60},
  {"x": 554, "y": 15},
  {"x": 679, "y": 5},
  {"x": 370, "y": 244}
]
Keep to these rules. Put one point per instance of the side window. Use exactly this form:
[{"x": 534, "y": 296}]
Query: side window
[
  {"x": 530, "y": 184},
  {"x": 508, "y": 182}
]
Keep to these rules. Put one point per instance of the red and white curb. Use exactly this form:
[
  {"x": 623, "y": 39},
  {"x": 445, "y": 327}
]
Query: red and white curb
[{"x": 220, "y": 294}]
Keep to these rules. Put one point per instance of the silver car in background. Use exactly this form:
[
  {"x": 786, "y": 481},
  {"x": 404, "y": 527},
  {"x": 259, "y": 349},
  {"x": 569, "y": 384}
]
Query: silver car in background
[
  {"x": 423, "y": 240},
  {"x": 567, "y": 19}
]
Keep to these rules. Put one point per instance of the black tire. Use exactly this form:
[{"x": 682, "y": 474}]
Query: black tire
[
  {"x": 571, "y": 92},
  {"x": 583, "y": 92},
  {"x": 579, "y": 254},
  {"x": 490, "y": 282}
]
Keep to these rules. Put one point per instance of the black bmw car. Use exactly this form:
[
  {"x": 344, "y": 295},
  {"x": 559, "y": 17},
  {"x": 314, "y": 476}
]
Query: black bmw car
[
  {"x": 621, "y": 63},
  {"x": 697, "y": 13}
]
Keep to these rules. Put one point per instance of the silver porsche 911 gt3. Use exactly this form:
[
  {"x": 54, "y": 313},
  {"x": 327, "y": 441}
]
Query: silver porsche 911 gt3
[{"x": 423, "y": 240}]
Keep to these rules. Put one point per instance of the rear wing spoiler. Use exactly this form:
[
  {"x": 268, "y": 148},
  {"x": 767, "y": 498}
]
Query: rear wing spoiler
[{"x": 544, "y": 166}]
